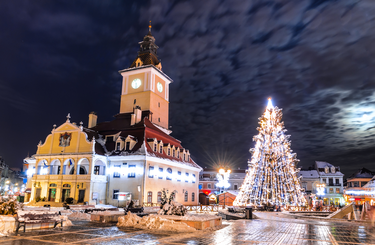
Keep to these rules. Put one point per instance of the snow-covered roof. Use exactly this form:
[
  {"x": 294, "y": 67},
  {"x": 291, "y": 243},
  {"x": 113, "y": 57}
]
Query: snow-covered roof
[
  {"x": 322, "y": 164},
  {"x": 308, "y": 174},
  {"x": 235, "y": 193},
  {"x": 362, "y": 173}
]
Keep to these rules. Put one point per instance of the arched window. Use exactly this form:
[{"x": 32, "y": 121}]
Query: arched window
[
  {"x": 71, "y": 172},
  {"x": 193, "y": 197},
  {"x": 169, "y": 174},
  {"x": 149, "y": 197},
  {"x": 186, "y": 196},
  {"x": 82, "y": 170},
  {"x": 159, "y": 197},
  {"x": 52, "y": 185}
]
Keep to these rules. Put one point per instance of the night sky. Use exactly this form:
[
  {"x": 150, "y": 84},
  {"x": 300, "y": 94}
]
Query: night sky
[{"x": 314, "y": 58}]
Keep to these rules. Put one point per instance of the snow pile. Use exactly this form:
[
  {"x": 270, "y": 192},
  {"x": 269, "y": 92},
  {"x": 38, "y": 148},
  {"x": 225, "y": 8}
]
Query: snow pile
[
  {"x": 66, "y": 221},
  {"x": 152, "y": 222},
  {"x": 7, "y": 225},
  {"x": 79, "y": 216},
  {"x": 151, "y": 209},
  {"x": 108, "y": 212},
  {"x": 191, "y": 217},
  {"x": 173, "y": 208}
]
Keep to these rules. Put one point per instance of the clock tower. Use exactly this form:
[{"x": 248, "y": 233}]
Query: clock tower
[{"x": 145, "y": 86}]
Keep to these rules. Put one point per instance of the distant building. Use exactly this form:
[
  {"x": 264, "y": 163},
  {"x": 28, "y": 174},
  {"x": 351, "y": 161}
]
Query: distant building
[
  {"x": 132, "y": 155},
  {"x": 355, "y": 190},
  {"x": 323, "y": 172},
  {"x": 208, "y": 181},
  {"x": 11, "y": 180}
]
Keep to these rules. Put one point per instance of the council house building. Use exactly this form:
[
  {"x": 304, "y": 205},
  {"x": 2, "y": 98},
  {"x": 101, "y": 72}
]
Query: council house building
[{"x": 133, "y": 156}]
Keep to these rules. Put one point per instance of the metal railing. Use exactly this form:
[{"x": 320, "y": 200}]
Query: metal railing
[{"x": 204, "y": 208}]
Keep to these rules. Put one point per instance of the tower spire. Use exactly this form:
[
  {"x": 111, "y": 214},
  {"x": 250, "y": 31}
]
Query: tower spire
[{"x": 149, "y": 28}]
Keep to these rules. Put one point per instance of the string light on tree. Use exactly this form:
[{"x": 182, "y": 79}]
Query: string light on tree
[{"x": 271, "y": 177}]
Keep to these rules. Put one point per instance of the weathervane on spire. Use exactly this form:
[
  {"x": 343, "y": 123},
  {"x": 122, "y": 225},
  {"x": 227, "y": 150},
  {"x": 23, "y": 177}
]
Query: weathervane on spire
[{"x": 68, "y": 117}]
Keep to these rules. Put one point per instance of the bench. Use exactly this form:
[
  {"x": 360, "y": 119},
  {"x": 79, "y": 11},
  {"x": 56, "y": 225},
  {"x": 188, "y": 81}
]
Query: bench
[
  {"x": 37, "y": 217},
  {"x": 134, "y": 210},
  {"x": 80, "y": 207},
  {"x": 90, "y": 210}
]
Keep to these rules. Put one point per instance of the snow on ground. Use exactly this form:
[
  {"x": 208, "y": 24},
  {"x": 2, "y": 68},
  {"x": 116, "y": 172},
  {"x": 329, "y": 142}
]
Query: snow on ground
[
  {"x": 153, "y": 222},
  {"x": 151, "y": 209},
  {"x": 79, "y": 216},
  {"x": 107, "y": 212},
  {"x": 192, "y": 217}
]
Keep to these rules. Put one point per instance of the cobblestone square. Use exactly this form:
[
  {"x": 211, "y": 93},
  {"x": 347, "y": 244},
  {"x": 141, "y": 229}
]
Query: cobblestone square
[{"x": 270, "y": 228}]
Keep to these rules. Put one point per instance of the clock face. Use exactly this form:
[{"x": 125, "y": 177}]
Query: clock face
[
  {"x": 136, "y": 83},
  {"x": 160, "y": 87}
]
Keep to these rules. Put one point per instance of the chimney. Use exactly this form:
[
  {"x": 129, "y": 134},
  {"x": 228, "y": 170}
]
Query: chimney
[
  {"x": 92, "y": 119},
  {"x": 136, "y": 116}
]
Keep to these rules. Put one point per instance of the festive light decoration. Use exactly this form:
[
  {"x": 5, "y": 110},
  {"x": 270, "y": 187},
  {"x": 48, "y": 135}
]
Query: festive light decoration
[
  {"x": 320, "y": 190},
  {"x": 271, "y": 177},
  {"x": 223, "y": 177}
]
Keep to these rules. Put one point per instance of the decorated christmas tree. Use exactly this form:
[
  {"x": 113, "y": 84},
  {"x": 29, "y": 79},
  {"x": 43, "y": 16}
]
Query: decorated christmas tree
[{"x": 271, "y": 178}]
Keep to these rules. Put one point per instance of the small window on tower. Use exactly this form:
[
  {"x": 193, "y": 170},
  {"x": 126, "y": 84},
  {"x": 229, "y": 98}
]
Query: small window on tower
[
  {"x": 159, "y": 119},
  {"x": 135, "y": 101},
  {"x": 159, "y": 104}
]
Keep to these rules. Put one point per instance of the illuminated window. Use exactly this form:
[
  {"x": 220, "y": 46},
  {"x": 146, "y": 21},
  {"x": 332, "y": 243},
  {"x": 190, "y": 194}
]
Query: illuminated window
[
  {"x": 330, "y": 190},
  {"x": 337, "y": 190},
  {"x": 169, "y": 174},
  {"x": 96, "y": 170},
  {"x": 149, "y": 197},
  {"x": 160, "y": 173},
  {"x": 159, "y": 197},
  {"x": 192, "y": 196},
  {"x": 179, "y": 176},
  {"x": 115, "y": 195},
  {"x": 151, "y": 172},
  {"x": 131, "y": 173},
  {"x": 116, "y": 171},
  {"x": 186, "y": 196}
]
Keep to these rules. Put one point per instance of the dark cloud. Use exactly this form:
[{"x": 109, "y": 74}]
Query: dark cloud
[{"x": 314, "y": 58}]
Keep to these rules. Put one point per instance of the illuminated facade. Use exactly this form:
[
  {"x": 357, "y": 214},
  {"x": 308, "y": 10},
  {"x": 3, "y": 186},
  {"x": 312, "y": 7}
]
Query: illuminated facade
[
  {"x": 133, "y": 154},
  {"x": 360, "y": 187},
  {"x": 331, "y": 192}
]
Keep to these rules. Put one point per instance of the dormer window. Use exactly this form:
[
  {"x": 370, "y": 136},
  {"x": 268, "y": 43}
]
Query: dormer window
[
  {"x": 161, "y": 149},
  {"x": 173, "y": 153},
  {"x": 333, "y": 169},
  {"x": 169, "y": 151},
  {"x": 118, "y": 145},
  {"x": 326, "y": 169},
  {"x": 155, "y": 147},
  {"x": 127, "y": 146}
]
